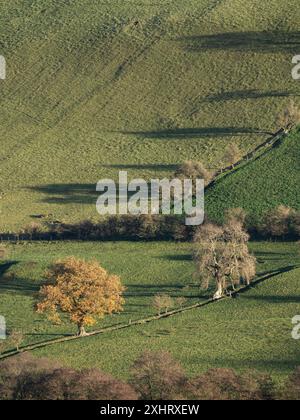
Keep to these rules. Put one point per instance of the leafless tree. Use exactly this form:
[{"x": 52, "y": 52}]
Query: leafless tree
[
  {"x": 194, "y": 170},
  {"x": 162, "y": 302},
  {"x": 222, "y": 256},
  {"x": 157, "y": 376},
  {"x": 232, "y": 155},
  {"x": 289, "y": 118}
]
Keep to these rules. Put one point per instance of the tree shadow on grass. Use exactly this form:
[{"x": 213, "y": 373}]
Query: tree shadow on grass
[
  {"x": 84, "y": 194},
  {"x": 262, "y": 277},
  {"x": 260, "y": 42},
  {"x": 143, "y": 167},
  {"x": 19, "y": 286},
  {"x": 68, "y": 193},
  {"x": 277, "y": 271},
  {"x": 13, "y": 284},
  {"x": 185, "y": 257},
  {"x": 273, "y": 365},
  {"x": 49, "y": 334},
  {"x": 174, "y": 290},
  {"x": 6, "y": 266},
  {"x": 205, "y": 132},
  {"x": 248, "y": 94},
  {"x": 272, "y": 253},
  {"x": 275, "y": 299}
]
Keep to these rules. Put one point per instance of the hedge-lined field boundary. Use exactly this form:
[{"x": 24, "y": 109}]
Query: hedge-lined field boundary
[{"x": 119, "y": 327}]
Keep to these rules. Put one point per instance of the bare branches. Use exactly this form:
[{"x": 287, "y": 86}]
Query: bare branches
[{"x": 222, "y": 255}]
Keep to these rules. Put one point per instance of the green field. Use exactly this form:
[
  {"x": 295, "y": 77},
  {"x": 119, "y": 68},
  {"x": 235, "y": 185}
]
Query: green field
[
  {"x": 270, "y": 180},
  {"x": 95, "y": 87},
  {"x": 252, "y": 331}
]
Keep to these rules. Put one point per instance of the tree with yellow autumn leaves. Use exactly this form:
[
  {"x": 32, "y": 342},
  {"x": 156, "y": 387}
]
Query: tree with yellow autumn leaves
[{"x": 83, "y": 290}]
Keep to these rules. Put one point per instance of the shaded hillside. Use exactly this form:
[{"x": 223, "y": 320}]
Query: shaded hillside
[{"x": 268, "y": 181}]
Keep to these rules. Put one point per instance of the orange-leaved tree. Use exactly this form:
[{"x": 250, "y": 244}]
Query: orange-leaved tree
[{"x": 83, "y": 290}]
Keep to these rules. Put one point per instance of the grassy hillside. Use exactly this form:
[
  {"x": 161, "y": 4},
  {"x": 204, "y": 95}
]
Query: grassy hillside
[
  {"x": 270, "y": 180},
  {"x": 252, "y": 331},
  {"x": 92, "y": 88}
]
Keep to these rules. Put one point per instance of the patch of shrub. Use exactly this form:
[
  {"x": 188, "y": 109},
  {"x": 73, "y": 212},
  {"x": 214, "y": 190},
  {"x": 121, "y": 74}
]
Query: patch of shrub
[
  {"x": 281, "y": 223},
  {"x": 226, "y": 384},
  {"x": 129, "y": 227},
  {"x": 154, "y": 376},
  {"x": 27, "y": 378},
  {"x": 157, "y": 376}
]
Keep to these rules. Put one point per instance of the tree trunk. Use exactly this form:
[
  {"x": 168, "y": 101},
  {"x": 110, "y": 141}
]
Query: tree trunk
[
  {"x": 81, "y": 331},
  {"x": 219, "y": 293}
]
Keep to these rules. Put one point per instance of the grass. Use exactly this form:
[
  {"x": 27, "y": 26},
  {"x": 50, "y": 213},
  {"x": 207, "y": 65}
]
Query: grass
[
  {"x": 92, "y": 88},
  {"x": 97, "y": 87},
  {"x": 145, "y": 269},
  {"x": 269, "y": 181},
  {"x": 253, "y": 331}
]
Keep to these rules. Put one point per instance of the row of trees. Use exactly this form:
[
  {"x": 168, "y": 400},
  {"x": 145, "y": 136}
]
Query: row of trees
[
  {"x": 280, "y": 223},
  {"x": 127, "y": 227},
  {"x": 153, "y": 376}
]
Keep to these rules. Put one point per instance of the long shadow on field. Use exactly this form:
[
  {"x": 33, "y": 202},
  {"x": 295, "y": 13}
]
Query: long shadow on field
[
  {"x": 248, "y": 94},
  {"x": 280, "y": 254},
  {"x": 269, "y": 275},
  {"x": 278, "y": 270},
  {"x": 186, "y": 257},
  {"x": 199, "y": 132},
  {"x": 151, "y": 167},
  {"x": 13, "y": 284},
  {"x": 261, "y": 42},
  {"x": 274, "y": 364},
  {"x": 144, "y": 290},
  {"x": 49, "y": 334},
  {"x": 68, "y": 193},
  {"x": 275, "y": 299},
  {"x": 6, "y": 266},
  {"x": 19, "y": 286}
]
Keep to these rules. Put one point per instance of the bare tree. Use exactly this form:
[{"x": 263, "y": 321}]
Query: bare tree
[
  {"x": 157, "y": 376},
  {"x": 181, "y": 301},
  {"x": 194, "y": 170},
  {"x": 27, "y": 378},
  {"x": 241, "y": 264},
  {"x": 232, "y": 155},
  {"x": 277, "y": 222},
  {"x": 162, "y": 303},
  {"x": 222, "y": 255},
  {"x": 16, "y": 338},
  {"x": 291, "y": 389},
  {"x": 236, "y": 214},
  {"x": 289, "y": 117},
  {"x": 226, "y": 384}
]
